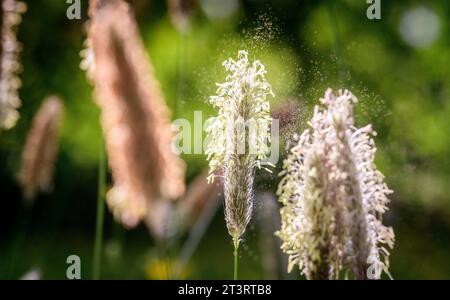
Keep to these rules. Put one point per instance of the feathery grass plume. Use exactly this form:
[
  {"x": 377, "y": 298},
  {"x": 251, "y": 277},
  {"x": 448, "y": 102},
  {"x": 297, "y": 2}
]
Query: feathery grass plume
[
  {"x": 180, "y": 12},
  {"x": 334, "y": 197},
  {"x": 134, "y": 116},
  {"x": 40, "y": 150},
  {"x": 362, "y": 187},
  {"x": 239, "y": 136},
  {"x": 307, "y": 215},
  {"x": 10, "y": 11}
]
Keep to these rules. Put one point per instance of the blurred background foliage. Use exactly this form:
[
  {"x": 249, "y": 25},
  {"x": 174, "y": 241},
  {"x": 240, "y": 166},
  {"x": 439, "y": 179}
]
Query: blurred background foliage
[{"x": 398, "y": 67}]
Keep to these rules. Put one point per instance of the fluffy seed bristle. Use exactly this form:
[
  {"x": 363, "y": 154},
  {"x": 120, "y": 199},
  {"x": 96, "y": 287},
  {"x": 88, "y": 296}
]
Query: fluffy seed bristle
[
  {"x": 40, "y": 150},
  {"x": 10, "y": 12},
  {"x": 135, "y": 117},
  {"x": 239, "y": 137},
  {"x": 334, "y": 197}
]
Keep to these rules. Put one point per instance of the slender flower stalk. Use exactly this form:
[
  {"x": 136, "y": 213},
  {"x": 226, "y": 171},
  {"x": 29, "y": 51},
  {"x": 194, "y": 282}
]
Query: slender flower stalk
[
  {"x": 10, "y": 12},
  {"x": 41, "y": 148},
  {"x": 135, "y": 117},
  {"x": 238, "y": 138},
  {"x": 334, "y": 197},
  {"x": 98, "y": 243}
]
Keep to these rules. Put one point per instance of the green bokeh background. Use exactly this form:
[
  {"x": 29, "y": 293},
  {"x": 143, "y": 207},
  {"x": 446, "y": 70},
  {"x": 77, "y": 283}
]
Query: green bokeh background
[{"x": 306, "y": 47}]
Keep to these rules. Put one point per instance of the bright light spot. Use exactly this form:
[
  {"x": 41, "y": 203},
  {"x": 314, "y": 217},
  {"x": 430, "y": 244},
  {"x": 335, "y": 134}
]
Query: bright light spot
[
  {"x": 219, "y": 9},
  {"x": 419, "y": 27}
]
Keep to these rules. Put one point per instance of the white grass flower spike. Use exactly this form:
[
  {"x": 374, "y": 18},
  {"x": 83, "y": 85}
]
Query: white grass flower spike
[
  {"x": 239, "y": 136},
  {"x": 334, "y": 197}
]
